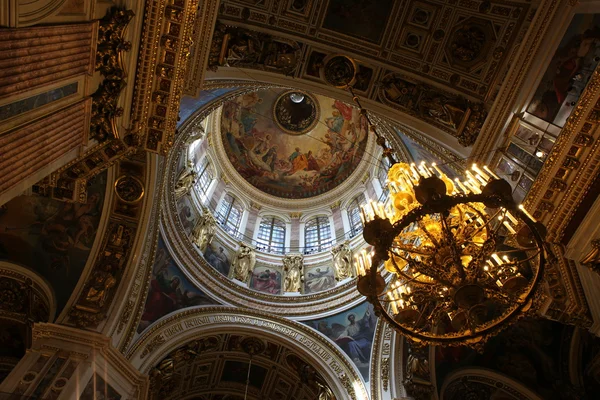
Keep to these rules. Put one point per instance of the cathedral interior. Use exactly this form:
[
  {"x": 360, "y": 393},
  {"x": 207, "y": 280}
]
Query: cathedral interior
[{"x": 196, "y": 230}]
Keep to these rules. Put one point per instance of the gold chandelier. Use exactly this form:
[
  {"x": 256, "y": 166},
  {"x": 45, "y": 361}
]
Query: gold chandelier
[{"x": 453, "y": 261}]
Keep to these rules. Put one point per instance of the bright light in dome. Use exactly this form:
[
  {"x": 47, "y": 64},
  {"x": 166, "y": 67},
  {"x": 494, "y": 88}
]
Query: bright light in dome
[
  {"x": 297, "y": 97},
  {"x": 539, "y": 154}
]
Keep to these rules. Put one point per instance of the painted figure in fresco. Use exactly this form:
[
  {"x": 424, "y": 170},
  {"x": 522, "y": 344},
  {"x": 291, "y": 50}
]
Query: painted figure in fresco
[
  {"x": 244, "y": 262},
  {"x": 342, "y": 261},
  {"x": 204, "y": 230},
  {"x": 218, "y": 259},
  {"x": 266, "y": 281},
  {"x": 185, "y": 181},
  {"x": 293, "y": 265},
  {"x": 167, "y": 292},
  {"x": 357, "y": 337},
  {"x": 319, "y": 280},
  {"x": 287, "y": 166}
]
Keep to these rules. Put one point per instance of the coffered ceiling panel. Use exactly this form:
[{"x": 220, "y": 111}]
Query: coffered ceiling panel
[{"x": 460, "y": 44}]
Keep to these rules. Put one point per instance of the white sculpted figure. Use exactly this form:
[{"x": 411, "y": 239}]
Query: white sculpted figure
[
  {"x": 185, "y": 181},
  {"x": 243, "y": 263},
  {"x": 342, "y": 261},
  {"x": 196, "y": 134},
  {"x": 293, "y": 266},
  {"x": 204, "y": 230}
]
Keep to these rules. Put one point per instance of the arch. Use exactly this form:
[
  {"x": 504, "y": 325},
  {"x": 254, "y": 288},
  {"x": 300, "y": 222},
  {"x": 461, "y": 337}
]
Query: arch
[
  {"x": 326, "y": 212},
  {"x": 177, "y": 329},
  {"x": 23, "y": 13},
  {"x": 486, "y": 377},
  {"x": 40, "y": 285}
]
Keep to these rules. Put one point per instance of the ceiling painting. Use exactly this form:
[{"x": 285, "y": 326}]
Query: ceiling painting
[
  {"x": 169, "y": 289},
  {"x": 52, "y": 237},
  {"x": 569, "y": 70},
  {"x": 353, "y": 331},
  {"x": 290, "y": 164}
]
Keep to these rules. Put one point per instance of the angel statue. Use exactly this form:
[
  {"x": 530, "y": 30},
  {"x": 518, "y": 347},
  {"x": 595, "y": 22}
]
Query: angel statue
[
  {"x": 293, "y": 266},
  {"x": 204, "y": 230},
  {"x": 243, "y": 263},
  {"x": 185, "y": 181},
  {"x": 342, "y": 261},
  {"x": 196, "y": 134}
]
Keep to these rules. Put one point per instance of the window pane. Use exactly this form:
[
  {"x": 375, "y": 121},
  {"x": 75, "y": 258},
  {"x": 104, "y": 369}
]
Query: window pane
[
  {"x": 229, "y": 215},
  {"x": 271, "y": 235},
  {"x": 317, "y": 235},
  {"x": 356, "y": 224},
  {"x": 204, "y": 177}
]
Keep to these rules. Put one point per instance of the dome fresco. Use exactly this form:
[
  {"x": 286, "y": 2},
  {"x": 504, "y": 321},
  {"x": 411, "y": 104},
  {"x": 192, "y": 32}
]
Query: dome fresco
[{"x": 292, "y": 164}]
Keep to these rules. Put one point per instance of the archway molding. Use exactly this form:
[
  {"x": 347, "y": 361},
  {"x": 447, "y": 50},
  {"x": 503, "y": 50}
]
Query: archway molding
[
  {"x": 179, "y": 328},
  {"x": 486, "y": 377}
]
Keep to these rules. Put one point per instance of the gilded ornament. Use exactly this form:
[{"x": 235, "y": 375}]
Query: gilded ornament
[
  {"x": 293, "y": 267},
  {"x": 243, "y": 263},
  {"x": 129, "y": 189}
]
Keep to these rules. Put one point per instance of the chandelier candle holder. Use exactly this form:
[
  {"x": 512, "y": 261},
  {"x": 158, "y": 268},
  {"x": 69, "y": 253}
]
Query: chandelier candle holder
[{"x": 463, "y": 261}]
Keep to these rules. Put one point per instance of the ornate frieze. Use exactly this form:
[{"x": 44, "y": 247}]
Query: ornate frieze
[{"x": 166, "y": 45}]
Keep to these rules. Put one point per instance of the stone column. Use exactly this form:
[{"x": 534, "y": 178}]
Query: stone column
[{"x": 68, "y": 363}]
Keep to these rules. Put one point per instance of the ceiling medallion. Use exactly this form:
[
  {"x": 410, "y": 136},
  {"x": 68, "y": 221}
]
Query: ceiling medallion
[
  {"x": 129, "y": 189},
  {"x": 296, "y": 112},
  {"x": 339, "y": 71}
]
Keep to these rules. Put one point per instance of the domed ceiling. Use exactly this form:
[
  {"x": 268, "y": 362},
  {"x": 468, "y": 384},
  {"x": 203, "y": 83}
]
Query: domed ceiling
[{"x": 292, "y": 144}]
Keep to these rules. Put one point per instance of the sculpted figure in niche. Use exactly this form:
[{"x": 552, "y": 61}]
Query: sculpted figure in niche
[
  {"x": 243, "y": 263},
  {"x": 293, "y": 266},
  {"x": 342, "y": 261},
  {"x": 417, "y": 363},
  {"x": 197, "y": 134},
  {"x": 204, "y": 230},
  {"x": 185, "y": 181}
]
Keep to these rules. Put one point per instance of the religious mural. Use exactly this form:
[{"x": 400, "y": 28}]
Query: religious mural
[
  {"x": 349, "y": 17},
  {"x": 218, "y": 256},
  {"x": 98, "y": 389},
  {"x": 569, "y": 70},
  {"x": 288, "y": 165},
  {"x": 52, "y": 237},
  {"x": 353, "y": 332},
  {"x": 266, "y": 279},
  {"x": 318, "y": 279},
  {"x": 187, "y": 214},
  {"x": 169, "y": 289}
]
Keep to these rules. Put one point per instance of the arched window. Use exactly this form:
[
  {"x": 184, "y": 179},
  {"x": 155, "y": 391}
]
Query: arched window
[
  {"x": 271, "y": 235},
  {"x": 317, "y": 235},
  {"x": 229, "y": 214},
  {"x": 356, "y": 224},
  {"x": 204, "y": 177}
]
